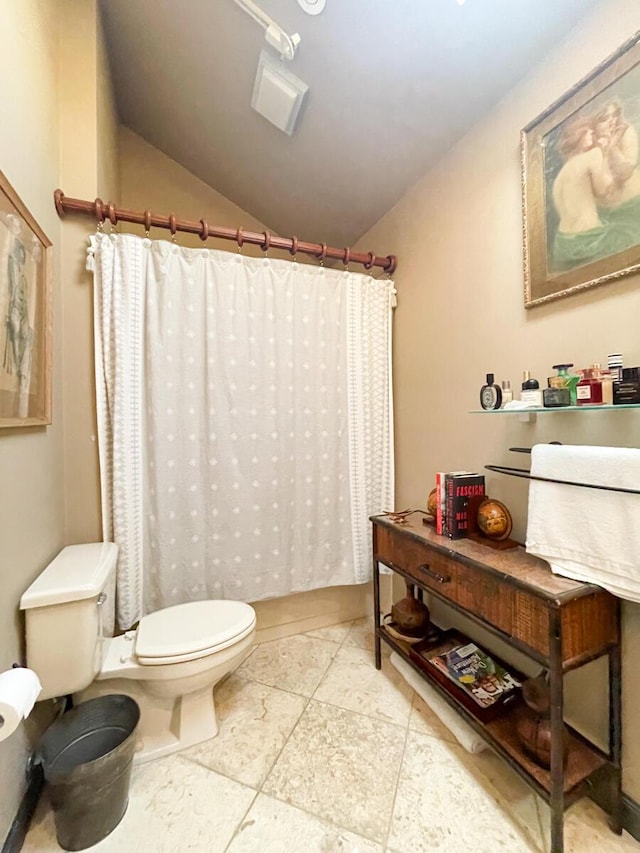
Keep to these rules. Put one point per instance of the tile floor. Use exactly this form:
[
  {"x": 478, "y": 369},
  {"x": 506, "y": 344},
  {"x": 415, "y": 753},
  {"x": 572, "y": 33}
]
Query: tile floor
[{"x": 320, "y": 753}]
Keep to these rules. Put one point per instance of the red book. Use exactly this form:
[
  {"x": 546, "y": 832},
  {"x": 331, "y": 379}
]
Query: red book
[{"x": 440, "y": 475}]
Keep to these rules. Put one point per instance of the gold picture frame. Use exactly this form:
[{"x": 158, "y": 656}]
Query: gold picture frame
[
  {"x": 25, "y": 315},
  {"x": 581, "y": 183}
]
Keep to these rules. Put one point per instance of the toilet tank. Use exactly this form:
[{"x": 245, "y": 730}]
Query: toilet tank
[{"x": 65, "y": 609}]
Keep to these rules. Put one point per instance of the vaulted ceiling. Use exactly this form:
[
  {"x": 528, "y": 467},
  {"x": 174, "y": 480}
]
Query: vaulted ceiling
[{"x": 392, "y": 85}]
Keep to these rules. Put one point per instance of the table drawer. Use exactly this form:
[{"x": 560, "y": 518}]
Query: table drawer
[{"x": 480, "y": 592}]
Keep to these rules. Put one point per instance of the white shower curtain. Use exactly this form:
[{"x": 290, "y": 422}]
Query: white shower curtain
[{"x": 245, "y": 421}]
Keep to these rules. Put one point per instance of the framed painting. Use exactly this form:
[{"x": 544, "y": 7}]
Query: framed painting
[
  {"x": 25, "y": 315},
  {"x": 581, "y": 183}
]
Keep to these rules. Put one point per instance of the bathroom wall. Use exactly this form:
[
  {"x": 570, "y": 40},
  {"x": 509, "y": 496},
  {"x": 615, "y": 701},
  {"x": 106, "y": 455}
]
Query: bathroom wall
[
  {"x": 31, "y": 485},
  {"x": 460, "y": 314},
  {"x": 89, "y": 167},
  {"x": 59, "y": 130}
]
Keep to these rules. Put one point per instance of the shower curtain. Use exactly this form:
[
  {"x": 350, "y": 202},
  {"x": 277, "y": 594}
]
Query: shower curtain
[{"x": 244, "y": 421}]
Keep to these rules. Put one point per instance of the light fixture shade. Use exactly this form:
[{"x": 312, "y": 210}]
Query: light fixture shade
[
  {"x": 277, "y": 93},
  {"x": 312, "y": 7}
]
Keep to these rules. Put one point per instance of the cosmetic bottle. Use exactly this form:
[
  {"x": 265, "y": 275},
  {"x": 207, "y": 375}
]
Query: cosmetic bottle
[
  {"x": 589, "y": 390},
  {"x": 562, "y": 381},
  {"x": 507, "y": 393},
  {"x": 627, "y": 389},
  {"x": 614, "y": 362},
  {"x": 607, "y": 378},
  {"x": 490, "y": 394},
  {"x": 529, "y": 384},
  {"x": 531, "y": 392},
  {"x": 556, "y": 398}
]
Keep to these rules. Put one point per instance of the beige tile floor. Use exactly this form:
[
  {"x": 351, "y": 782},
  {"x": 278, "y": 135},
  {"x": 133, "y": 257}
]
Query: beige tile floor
[{"x": 319, "y": 752}]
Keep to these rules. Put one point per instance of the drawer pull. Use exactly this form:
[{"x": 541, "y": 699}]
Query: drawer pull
[{"x": 439, "y": 578}]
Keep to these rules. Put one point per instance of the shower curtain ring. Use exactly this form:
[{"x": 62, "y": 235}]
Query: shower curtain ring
[
  {"x": 393, "y": 263},
  {"x": 293, "y": 251},
  {"x": 204, "y": 233},
  {"x": 323, "y": 253},
  {"x": 172, "y": 226},
  {"x": 239, "y": 239},
  {"x": 113, "y": 219},
  {"x": 100, "y": 214},
  {"x": 147, "y": 223},
  {"x": 266, "y": 242},
  {"x": 346, "y": 258},
  {"x": 368, "y": 264}
]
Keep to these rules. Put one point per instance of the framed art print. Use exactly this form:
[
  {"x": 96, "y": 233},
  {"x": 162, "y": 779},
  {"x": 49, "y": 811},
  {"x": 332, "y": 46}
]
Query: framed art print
[
  {"x": 581, "y": 183},
  {"x": 25, "y": 315}
]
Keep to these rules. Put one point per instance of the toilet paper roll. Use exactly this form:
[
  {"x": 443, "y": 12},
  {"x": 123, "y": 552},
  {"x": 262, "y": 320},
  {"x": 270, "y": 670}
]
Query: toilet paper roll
[{"x": 19, "y": 689}]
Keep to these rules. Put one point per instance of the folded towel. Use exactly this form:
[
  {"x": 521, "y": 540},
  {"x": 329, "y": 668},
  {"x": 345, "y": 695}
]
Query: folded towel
[
  {"x": 589, "y": 535},
  {"x": 519, "y": 404},
  {"x": 463, "y": 733}
]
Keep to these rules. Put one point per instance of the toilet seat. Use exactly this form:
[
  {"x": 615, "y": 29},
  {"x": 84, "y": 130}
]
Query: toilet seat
[{"x": 189, "y": 631}]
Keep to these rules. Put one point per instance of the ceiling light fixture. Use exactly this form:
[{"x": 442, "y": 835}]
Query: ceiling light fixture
[
  {"x": 284, "y": 43},
  {"x": 314, "y": 7}
]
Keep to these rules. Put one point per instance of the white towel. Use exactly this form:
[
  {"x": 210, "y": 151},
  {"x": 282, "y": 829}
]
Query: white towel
[
  {"x": 464, "y": 734},
  {"x": 589, "y": 535}
]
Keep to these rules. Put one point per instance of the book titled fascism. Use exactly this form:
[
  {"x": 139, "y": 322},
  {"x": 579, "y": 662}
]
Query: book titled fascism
[{"x": 464, "y": 492}]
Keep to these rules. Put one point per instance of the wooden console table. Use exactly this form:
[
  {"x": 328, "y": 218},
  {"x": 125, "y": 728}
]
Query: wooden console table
[{"x": 559, "y": 623}]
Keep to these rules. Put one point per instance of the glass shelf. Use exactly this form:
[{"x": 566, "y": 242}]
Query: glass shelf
[{"x": 543, "y": 410}]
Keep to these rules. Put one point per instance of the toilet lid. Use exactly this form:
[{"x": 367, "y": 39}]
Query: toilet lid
[{"x": 187, "y": 631}]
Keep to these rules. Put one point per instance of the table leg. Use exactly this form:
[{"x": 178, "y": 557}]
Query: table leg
[
  {"x": 557, "y": 737},
  {"x": 376, "y": 612},
  {"x": 615, "y": 735}
]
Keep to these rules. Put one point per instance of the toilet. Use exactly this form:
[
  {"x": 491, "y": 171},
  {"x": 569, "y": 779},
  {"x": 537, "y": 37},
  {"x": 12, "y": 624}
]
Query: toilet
[{"x": 169, "y": 664}]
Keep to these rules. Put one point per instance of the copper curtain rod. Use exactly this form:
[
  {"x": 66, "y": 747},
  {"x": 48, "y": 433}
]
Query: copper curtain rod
[{"x": 103, "y": 211}]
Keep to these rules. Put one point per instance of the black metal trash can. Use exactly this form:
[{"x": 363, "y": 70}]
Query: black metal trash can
[{"x": 86, "y": 757}]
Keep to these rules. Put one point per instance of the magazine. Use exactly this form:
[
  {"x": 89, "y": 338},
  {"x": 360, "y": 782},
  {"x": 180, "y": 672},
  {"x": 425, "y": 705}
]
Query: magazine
[{"x": 472, "y": 669}]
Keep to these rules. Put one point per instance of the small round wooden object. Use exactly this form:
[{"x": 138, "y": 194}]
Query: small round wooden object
[
  {"x": 410, "y": 615},
  {"x": 494, "y": 520},
  {"x": 533, "y": 724}
]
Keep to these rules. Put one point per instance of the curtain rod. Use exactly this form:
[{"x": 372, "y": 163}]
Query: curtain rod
[{"x": 103, "y": 211}]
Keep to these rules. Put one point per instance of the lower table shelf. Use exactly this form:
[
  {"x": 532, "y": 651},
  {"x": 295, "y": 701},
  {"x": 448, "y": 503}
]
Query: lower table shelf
[{"x": 584, "y": 760}]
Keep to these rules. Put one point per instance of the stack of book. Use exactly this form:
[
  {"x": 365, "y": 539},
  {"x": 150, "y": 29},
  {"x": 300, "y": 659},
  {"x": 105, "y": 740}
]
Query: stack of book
[{"x": 459, "y": 494}]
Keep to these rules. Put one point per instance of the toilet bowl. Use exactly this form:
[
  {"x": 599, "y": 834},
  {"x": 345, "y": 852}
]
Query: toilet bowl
[{"x": 169, "y": 664}]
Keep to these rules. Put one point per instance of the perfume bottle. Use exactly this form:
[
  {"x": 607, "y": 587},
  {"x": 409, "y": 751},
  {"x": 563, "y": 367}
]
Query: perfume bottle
[
  {"x": 490, "y": 394},
  {"x": 565, "y": 386},
  {"x": 607, "y": 379},
  {"x": 507, "y": 393},
  {"x": 531, "y": 392},
  {"x": 589, "y": 390}
]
